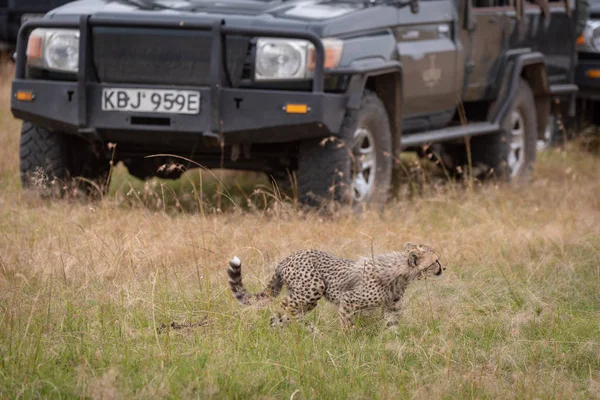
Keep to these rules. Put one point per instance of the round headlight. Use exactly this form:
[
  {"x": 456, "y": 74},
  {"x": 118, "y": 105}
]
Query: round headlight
[
  {"x": 280, "y": 59},
  {"x": 591, "y": 37},
  {"x": 62, "y": 51}
]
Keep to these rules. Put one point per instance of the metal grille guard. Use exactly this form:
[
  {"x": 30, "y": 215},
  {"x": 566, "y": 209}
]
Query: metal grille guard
[{"x": 218, "y": 27}]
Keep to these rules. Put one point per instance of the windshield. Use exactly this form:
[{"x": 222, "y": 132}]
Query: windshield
[{"x": 190, "y": 5}]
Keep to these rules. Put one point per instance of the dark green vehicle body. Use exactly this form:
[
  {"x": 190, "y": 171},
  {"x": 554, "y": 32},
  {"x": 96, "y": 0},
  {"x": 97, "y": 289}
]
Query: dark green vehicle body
[
  {"x": 587, "y": 72},
  {"x": 423, "y": 63}
]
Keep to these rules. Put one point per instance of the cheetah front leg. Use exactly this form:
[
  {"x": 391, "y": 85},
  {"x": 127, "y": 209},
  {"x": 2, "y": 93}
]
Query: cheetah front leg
[
  {"x": 346, "y": 314},
  {"x": 392, "y": 312},
  {"x": 348, "y": 308}
]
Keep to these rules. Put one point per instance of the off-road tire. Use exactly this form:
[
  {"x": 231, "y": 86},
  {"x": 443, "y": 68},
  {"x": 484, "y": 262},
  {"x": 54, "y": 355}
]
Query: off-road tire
[
  {"x": 490, "y": 152},
  {"x": 52, "y": 162},
  {"x": 325, "y": 165}
]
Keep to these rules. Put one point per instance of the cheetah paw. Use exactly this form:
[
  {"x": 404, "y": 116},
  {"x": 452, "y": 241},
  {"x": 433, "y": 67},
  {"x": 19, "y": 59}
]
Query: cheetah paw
[{"x": 278, "y": 320}]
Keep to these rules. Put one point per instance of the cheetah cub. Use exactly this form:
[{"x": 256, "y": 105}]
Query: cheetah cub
[{"x": 351, "y": 285}]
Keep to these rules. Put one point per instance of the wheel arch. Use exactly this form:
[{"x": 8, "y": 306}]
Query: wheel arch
[
  {"x": 536, "y": 76},
  {"x": 388, "y": 87},
  {"x": 531, "y": 67},
  {"x": 385, "y": 78}
]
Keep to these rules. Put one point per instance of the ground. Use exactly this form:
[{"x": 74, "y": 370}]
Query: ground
[{"x": 128, "y": 297}]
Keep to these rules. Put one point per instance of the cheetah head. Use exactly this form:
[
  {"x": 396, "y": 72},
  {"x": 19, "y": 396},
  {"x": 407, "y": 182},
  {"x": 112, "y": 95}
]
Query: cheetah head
[{"x": 424, "y": 260}]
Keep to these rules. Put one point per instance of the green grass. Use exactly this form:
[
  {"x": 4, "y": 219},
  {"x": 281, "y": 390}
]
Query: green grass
[
  {"x": 85, "y": 289},
  {"x": 70, "y": 338}
]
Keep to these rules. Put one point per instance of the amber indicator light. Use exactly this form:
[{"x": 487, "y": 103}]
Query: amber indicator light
[
  {"x": 25, "y": 96},
  {"x": 34, "y": 47},
  {"x": 593, "y": 73},
  {"x": 296, "y": 109}
]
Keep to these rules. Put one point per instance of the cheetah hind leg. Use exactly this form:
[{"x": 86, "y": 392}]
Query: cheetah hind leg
[{"x": 294, "y": 310}]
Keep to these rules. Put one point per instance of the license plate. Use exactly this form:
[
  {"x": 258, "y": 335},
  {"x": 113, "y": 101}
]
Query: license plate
[{"x": 151, "y": 100}]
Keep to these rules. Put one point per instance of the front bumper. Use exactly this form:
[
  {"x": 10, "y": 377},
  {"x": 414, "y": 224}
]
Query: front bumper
[
  {"x": 237, "y": 115},
  {"x": 244, "y": 115}
]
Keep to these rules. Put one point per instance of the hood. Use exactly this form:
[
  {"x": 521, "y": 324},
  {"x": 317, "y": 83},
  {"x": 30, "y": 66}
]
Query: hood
[{"x": 300, "y": 10}]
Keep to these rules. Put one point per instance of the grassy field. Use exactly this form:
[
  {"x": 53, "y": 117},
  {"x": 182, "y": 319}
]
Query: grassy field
[{"x": 88, "y": 292}]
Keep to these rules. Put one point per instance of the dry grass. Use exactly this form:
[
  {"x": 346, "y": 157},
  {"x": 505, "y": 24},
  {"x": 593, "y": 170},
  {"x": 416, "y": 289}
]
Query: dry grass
[
  {"x": 9, "y": 127},
  {"x": 84, "y": 287}
]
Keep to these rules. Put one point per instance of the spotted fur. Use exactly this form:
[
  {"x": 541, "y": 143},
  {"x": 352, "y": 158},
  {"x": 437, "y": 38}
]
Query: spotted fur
[{"x": 368, "y": 283}]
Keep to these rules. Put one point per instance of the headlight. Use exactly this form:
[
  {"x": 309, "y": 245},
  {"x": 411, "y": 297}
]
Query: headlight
[
  {"x": 55, "y": 49},
  {"x": 287, "y": 59},
  {"x": 281, "y": 59},
  {"x": 590, "y": 39}
]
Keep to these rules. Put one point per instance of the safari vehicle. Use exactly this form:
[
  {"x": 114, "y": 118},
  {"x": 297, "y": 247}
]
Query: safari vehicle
[
  {"x": 332, "y": 91},
  {"x": 587, "y": 73},
  {"x": 13, "y": 12}
]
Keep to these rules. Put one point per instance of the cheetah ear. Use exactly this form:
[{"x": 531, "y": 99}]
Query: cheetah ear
[
  {"x": 409, "y": 246},
  {"x": 413, "y": 257}
]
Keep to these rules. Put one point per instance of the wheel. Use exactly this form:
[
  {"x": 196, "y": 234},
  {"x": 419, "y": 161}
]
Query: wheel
[
  {"x": 52, "y": 162},
  {"x": 356, "y": 167},
  {"x": 510, "y": 155}
]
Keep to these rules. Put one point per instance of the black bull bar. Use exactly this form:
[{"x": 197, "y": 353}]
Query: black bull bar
[{"x": 216, "y": 71}]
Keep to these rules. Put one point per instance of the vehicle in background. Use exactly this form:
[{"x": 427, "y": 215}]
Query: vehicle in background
[
  {"x": 587, "y": 73},
  {"x": 331, "y": 91},
  {"x": 14, "y": 12}
]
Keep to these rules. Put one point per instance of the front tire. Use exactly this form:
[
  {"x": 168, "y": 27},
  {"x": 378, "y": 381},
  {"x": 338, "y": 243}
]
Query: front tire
[
  {"x": 354, "y": 169},
  {"x": 511, "y": 154},
  {"x": 51, "y": 162}
]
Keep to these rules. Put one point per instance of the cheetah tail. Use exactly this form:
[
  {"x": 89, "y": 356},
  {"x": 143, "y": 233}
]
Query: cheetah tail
[{"x": 239, "y": 291}]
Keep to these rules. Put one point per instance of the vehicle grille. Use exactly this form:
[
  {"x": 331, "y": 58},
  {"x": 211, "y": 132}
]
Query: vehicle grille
[{"x": 162, "y": 56}]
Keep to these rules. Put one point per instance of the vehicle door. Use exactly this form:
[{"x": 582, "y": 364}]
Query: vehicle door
[
  {"x": 483, "y": 33},
  {"x": 428, "y": 51}
]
